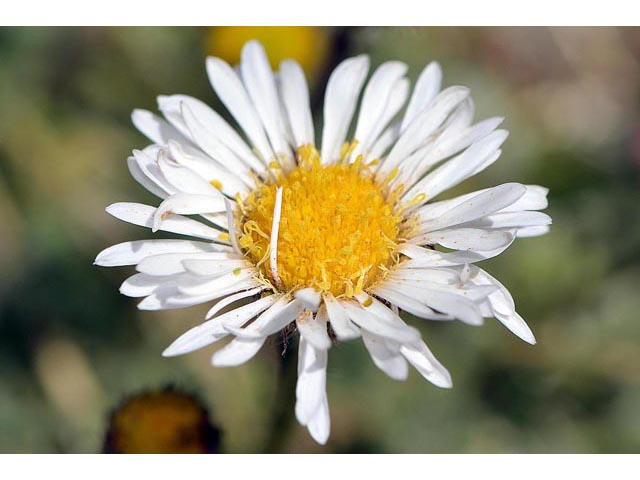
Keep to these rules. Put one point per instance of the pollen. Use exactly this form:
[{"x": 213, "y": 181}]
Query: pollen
[{"x": 338, "y": 229}]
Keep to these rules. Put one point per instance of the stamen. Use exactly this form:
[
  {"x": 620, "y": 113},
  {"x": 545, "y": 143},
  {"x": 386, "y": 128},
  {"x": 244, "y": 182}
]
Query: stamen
[{"x": 240, "y": 203}]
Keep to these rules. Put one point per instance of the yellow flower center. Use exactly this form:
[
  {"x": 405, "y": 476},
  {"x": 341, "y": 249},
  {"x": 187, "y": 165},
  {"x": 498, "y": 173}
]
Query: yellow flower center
[{"x": 338, "y": 228}]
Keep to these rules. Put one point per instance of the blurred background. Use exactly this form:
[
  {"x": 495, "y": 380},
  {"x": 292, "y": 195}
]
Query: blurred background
[{"x": 72, "y": 349}]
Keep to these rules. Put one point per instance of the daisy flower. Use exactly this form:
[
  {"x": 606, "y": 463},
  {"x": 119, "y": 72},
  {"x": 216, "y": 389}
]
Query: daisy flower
[{"x": 336, "y": 238}]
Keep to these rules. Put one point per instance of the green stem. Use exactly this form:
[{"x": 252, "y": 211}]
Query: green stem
[{"x": 282, "y": 417}]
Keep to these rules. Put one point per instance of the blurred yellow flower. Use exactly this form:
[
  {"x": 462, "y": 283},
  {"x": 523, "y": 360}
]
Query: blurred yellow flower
[
  {"x": 308, "y": 45},
  {"x": 165, "y": 421}
]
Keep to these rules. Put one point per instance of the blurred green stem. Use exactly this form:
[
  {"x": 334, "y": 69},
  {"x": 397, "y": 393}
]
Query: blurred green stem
[{"x": 282, "y": 414}]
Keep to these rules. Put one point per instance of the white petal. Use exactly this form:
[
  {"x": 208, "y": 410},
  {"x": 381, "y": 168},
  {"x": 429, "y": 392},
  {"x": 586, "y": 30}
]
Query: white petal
[
  {"x": 409, "y": 304},
  {"x": 374, "y": 103},
  {"x": 147, "y": 162},
  {"x": 396, "y": 101},
  {"x": 457, "y": 124},
  {"x": 535, "y": 198},
  {"x": 517, "y": 220},
  {"x": 339, "y": 320},
  {"x": 177, "y": 299},
  {"x": 502, "y": 305},
  {"x": 426, "y": 258},
  {"x": 527, "y": 232},
  {"x": 310, "y": 298},
  {"x": 501, "y": 299},
  {"x": 143, "y": 215},
  {"x": 311, "y": 385},
  {"x": 130, "y": 253},
  {"x": 295, "y": 95},
  {"x": 212, "y": 330},
  {"x": 156, "y": 128},
  {"x": 432, "y": 152},
  {"x": 516, "y": 324},
  {"x": 171, "y": 108},
  {"x": 143, "y": 179},
  {"x": 455, "y": 137},
  {"x": 214, "y": 148},
  {"x": 215, "y": 125},
  {"x": 426, "y": 89},
  {"x": 451, "y": 302},
  {"x": 480, "y": 205},
  {"x": 471, "y": 161},
  {"x": 172, "y": 263},
  {"x": 455, "y": 305},
  {"x": 233, "y": 95},
  {"x": 259, "y": 81},
  {"x": 453, "y": 141},
  {"x": 180, "y": 300},
  {"x": 386, "y": 359},
  {"x": 417, "y": 289},
  {"x": 141, "y": 285},
  {"x": 273, "y": 240},
  {"x": 195, "y": 285},
  {"x": 158, "y": 299},
  {"x": 273, "y": 320},
  {"x": 239, "y": 351},
  {"x": 341, "y": 97},
  {"x": 319, "y": 425},
  {"x": 216, "y": 266},
  {"x": 187, "y": 204},
  {"x": 314, "y": 328},
  {"x": 225, "y": 302},
  {"x": 425, "y": 124},
  {"x": 379, "y": 326},
  {"x": 185, "y": 180},
  {"x": 384, "y": 141},
  {"x": 379, "y": 310},
  {"x": 434, "y": 275},
  {"x": 211, "y": 171},
  {"x": 423, "y": 360},
  {"x": 472, "y": 239}
]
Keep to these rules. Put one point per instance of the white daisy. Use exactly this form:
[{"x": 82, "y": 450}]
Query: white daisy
[{"x": 338, "y": 239}]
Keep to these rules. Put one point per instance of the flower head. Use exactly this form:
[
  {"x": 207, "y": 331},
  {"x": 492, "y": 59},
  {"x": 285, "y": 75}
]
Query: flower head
[
  {"x": 161, "y": 421},
  {"x": 338, "y": 238}
]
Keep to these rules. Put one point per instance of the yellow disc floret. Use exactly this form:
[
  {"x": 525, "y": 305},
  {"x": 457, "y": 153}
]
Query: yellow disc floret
[{"x": 338, "y": 226}]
